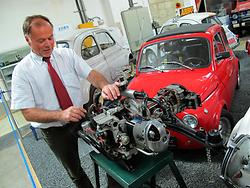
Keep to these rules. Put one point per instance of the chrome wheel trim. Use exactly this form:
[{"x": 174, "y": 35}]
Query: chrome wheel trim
[{"x": 225, "y": 129}]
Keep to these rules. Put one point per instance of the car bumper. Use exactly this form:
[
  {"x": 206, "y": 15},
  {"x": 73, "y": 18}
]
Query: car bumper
[{"x": 241, "y": 24}]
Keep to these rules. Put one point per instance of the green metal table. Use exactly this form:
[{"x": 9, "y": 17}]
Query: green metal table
[{"x": 146, "y": 169}]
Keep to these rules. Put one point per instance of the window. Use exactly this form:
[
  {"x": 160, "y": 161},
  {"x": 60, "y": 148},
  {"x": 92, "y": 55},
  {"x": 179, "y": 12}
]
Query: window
[
  {"x": 185, "y": 24},
  {"x": 89, "y": 48},
  {"x": 149, "y": 56},
  {"x": 218, "y": 44},
  {"x": 175, "y": 54},
  {"x": 104, "y": 40},
  {"x": 168, "y": 28},
  {"x": 212, "y": 20},
  {"x": 225, "y": 38}
]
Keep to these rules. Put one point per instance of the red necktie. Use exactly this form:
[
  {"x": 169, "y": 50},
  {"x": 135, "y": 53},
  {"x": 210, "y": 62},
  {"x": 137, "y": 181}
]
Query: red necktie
[{"x": 61, "y": 92}]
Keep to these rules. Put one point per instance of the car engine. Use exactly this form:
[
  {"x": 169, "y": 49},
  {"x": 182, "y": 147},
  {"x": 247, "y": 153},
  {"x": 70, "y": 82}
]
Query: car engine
[{"x": 136, "y": 123}]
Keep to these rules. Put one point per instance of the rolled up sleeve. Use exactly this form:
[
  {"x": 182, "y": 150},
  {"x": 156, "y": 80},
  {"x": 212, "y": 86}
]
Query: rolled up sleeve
[{"x": 21, "y": 92}]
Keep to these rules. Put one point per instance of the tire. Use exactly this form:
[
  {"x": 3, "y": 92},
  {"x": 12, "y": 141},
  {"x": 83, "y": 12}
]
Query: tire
[{"x": 226, "y": 125}]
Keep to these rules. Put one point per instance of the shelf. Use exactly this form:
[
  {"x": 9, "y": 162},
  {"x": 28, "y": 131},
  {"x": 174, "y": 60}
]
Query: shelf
[
  {"x": 6, "y": 73},
  {"x": 9, "y": 66}
]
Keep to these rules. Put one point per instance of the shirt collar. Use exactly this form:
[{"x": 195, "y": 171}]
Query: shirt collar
[{"x": 37, "y": 58}]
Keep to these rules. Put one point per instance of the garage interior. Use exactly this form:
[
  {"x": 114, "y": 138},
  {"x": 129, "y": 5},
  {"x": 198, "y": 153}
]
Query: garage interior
[{"x": 25, "y": 159}]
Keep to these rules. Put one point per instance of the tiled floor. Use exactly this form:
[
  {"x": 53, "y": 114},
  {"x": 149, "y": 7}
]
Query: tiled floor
[{"x": 13, "y": 173}]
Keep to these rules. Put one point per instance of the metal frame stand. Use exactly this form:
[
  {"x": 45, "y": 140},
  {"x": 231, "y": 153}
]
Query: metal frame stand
[{"x": 9, "y": 113}]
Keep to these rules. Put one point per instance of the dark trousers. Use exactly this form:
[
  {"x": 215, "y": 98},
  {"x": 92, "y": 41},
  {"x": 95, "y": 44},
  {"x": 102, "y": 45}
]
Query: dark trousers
[{"x": 63, "y": 141}]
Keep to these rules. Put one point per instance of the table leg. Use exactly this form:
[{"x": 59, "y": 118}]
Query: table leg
[
  {"x": 177, "y": 174},
  {"x": 97, "y": 180},
  {"x": 153, "y": 182}
]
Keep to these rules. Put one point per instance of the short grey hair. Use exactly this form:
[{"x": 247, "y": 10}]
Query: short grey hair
[{"x": 28, "y": 23}]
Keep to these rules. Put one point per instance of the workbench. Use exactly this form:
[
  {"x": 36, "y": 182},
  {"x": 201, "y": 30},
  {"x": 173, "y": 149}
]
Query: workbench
[{"x": 146, "y": 169}]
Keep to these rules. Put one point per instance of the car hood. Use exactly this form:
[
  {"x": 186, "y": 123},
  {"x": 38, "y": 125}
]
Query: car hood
[{"x": 202, "y": 83}]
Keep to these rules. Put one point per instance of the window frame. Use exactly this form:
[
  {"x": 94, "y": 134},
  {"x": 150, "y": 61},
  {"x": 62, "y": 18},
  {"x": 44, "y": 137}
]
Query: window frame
[
  {"x": 99, "y": 42},
  {"x": 96, "y": 45},
  {"x": 215, "y": 44}
]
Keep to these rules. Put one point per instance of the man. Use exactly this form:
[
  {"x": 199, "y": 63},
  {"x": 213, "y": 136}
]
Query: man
[{"x": 35, "y": 92}]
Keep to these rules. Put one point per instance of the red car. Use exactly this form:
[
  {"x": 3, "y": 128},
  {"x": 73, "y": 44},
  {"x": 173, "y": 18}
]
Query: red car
[{"x": 199, "y": 58}]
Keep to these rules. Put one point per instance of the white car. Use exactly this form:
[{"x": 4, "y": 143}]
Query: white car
[
  {"x": 235, "y": 170},
  {"x": 198, "y": 18},
  {"x": 102, "y": 49}
]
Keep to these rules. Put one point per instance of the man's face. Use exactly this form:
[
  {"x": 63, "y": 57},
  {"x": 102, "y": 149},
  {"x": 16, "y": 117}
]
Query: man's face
[{"x": 41, "y": 39}]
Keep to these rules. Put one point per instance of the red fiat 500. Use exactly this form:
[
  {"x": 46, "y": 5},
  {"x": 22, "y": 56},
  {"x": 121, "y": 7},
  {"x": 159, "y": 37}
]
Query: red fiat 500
[{"x": 199, "y": 58}]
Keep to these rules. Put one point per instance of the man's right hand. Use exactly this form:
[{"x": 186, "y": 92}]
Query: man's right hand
[{"x": 73, "y": 114}]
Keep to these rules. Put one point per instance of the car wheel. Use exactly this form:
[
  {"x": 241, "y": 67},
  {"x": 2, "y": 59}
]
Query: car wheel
[
  {"x": 226, "y": 125},
  {"x": 238, "y": 80}
]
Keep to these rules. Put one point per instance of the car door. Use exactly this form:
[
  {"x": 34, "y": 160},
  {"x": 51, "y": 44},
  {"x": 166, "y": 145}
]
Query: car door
[
  {"x": 90, "y": 51},
  {"x": 115, "y": 56},
  {"x": 224, "y": 68}
]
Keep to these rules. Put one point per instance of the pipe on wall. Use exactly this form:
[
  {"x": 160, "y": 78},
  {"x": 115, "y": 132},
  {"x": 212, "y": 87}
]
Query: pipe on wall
[
  {"x": 131, "y": 4},
  {"x": 82, "y": 11}
]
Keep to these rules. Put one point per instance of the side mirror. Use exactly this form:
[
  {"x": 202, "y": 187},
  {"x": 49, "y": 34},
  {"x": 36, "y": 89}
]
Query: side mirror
[{"x": 222, "y": 55}]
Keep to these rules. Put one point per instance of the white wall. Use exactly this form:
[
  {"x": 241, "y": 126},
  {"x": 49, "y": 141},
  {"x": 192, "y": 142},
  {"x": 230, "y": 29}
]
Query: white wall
[{"x": 13, "y": 13}]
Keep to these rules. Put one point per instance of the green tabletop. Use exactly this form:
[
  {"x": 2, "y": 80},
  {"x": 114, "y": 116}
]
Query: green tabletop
[{"x": 145, "y": 168}]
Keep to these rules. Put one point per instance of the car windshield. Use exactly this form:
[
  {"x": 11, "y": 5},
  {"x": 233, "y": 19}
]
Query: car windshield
[{"x": 183, "y": 53}]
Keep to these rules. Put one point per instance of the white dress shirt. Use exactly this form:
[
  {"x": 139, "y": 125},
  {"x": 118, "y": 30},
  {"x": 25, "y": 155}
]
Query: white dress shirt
[{"x": 32, "y": 86}]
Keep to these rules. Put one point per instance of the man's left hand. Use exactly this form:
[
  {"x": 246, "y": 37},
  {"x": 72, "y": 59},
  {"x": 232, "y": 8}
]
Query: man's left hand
[{"x": 111, "y": 91}]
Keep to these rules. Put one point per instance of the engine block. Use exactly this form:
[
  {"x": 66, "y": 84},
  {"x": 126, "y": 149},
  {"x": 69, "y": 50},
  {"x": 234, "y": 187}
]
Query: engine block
[{"x": 136, "y": 123}]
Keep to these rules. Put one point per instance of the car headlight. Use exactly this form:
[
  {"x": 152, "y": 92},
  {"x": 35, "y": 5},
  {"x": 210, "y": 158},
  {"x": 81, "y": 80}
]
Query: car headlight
[
  {"x": 235, "y": 16},
  {"x": 190, "y": 120}
]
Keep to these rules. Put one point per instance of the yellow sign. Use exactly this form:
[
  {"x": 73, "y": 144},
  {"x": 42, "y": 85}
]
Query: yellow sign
[
  {"x": 186, "y": 10},
  {"x": 86, "y": 25}
]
